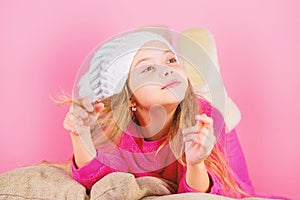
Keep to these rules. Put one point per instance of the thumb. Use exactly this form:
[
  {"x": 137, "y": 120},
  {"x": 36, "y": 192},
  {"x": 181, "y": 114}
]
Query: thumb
[{"x": 98, "y": 107}]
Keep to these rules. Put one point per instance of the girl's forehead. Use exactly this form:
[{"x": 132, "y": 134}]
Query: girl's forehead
[
  {"x": 154, "y": 44},
  {"x": 151, "y": 49}
]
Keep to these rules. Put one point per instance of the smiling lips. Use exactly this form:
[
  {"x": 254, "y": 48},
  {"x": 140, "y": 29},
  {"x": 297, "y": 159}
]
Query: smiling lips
[{"x": 171, "y": 84}]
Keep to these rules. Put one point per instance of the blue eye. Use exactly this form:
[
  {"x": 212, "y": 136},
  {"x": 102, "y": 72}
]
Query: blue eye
[{"x": 147, "y": 69}]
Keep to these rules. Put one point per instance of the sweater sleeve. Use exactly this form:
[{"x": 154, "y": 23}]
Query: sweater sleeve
[
  {"x": 219, "y": 131},
  {"x": 97, "y": 168},
  {"x": 237, "y": 162},
  {"x": 215, "y": 185},
  {"x": 233, "y": 154}
]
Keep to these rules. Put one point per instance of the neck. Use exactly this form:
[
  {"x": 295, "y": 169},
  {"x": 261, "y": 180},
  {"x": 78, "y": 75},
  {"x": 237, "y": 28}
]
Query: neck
[{"x": 156, "y": 122}]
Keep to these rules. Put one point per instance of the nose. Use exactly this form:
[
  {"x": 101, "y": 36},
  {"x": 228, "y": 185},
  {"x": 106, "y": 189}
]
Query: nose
[{"x": 166, "y": 72}]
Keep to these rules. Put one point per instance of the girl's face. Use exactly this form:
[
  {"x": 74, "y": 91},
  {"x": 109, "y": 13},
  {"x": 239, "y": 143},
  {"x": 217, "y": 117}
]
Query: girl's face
[{"x": 156, "y": 78}]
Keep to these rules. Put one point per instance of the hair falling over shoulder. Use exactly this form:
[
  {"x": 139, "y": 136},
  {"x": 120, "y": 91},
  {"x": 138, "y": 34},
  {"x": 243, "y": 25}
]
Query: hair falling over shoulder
[
  {"x": 116, "y": 115},
  {"x": 216, "y": 162}
]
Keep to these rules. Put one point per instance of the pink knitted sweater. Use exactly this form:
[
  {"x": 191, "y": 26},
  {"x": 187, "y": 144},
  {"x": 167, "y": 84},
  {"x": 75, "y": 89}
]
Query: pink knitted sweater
[{"x": 138, "y": 156}]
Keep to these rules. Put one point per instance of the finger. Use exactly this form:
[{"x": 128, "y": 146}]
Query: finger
[
  {"x": 69, "y": 127},
  {"x": 98, "y": 107},
  {"x": 197, "y": 117},
  {"x": 203, "y": 130},
  {"x": 192, "y": 129},
  {"x": 196, "y": 144},
  {"x": 87, "y": 105},
  {"x": 66, "y": 125},
  {"x": 206, "y": 120},
  {"x": 188, "y": 145},
  {"x": 90, "y": 120},
  {"x": 203, "y": 142},
  {"x": 189, "y": 137},
  {"x": 210, "y": 142},
  {"x": 207, "y": 147},
  {"x": 75, "y": 120},
  {"x": 80, "y": 112},
  {"x": 200, "y": 139},
  {"x": 68, "y": 118},
  {"x": 212, "y": 139}
]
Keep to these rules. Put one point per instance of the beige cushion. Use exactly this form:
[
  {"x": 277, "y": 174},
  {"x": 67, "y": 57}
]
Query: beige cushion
[
  {"x": 125, "y": 186},
  {"x": 45, "y": 182},
  {"x": 206, "y": 42},
  {"x": 39, "y": 182}
]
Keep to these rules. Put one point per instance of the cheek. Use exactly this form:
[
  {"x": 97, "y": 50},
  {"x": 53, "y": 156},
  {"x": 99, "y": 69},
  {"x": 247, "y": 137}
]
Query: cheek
[
  {"x": 182, "y": 74},
  {"x": 178, "y": 93},
  {"x": 146, "y": 95},
  {"x": 148, "y": 82}
]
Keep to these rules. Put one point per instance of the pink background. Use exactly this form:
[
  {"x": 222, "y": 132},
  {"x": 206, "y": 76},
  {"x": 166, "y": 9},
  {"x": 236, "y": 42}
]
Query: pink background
[{"x": 43, "y": 44}]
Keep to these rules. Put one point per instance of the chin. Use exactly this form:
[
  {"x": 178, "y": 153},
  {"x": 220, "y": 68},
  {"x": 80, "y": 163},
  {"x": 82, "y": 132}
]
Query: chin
[
  {"x": 175, "y": 97},
  {"x": 173, "y": 101}
]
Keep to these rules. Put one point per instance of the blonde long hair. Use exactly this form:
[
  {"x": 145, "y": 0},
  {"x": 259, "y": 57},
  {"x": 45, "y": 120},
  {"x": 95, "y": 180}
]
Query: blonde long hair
[{"x": 113, "y": 125}]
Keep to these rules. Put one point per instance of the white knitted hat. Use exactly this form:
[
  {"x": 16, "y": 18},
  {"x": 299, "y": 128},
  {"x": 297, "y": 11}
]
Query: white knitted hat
[{"x": 109, "y": 67}]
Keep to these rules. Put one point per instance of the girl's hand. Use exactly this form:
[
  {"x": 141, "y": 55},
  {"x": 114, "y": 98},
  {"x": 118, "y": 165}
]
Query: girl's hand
[
  {"x": 82, "y": 114},
  {"x": 199, "y": 140}
]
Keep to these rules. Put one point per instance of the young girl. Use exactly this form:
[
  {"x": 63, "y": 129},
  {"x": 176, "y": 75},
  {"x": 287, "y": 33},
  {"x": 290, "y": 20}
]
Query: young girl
[{"x": 137, "y": 113}]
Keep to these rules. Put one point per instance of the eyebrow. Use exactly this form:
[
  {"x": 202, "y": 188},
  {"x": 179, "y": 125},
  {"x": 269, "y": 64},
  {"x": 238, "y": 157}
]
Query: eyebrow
[{"x": 145, "y": 59}]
